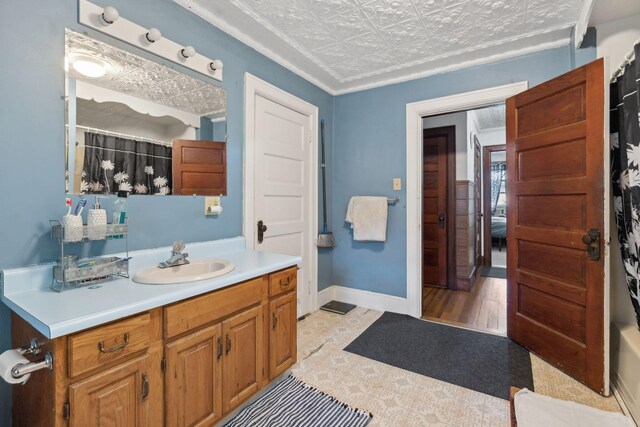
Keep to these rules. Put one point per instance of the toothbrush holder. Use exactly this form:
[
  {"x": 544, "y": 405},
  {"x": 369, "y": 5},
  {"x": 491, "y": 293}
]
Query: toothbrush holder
[{"x": 73, "y": 228}]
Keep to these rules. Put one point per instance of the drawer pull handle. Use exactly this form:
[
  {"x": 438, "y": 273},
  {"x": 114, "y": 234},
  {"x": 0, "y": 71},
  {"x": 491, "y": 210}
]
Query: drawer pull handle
[
  {"x": 275, "y": 320},
  {"x": 228, "y": 344},
  {"x": 287, "y": 283},
  {"x": 116, "y": 348},
  {"x": 219, "y": 347},
  {"x": 145, "y": 386}
]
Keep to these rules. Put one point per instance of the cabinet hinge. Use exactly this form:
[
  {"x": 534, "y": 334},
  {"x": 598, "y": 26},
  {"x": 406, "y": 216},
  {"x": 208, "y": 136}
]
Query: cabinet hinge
[
  {"x": 163, "y": 364},
  {"x": 66, "y": 411}
]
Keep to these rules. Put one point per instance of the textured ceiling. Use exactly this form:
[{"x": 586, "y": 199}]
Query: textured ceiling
[
  {"x": 490, "y": 117},
  {"x": 135, "y": 76},
  {"x": 345, "y": 45}
]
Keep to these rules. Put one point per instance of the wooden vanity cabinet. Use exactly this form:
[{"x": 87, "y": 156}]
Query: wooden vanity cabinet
[{"x": 186, "y": 364}]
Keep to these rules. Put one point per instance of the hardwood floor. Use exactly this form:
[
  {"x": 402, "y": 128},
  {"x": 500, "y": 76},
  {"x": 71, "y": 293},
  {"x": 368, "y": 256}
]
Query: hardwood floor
[{"x": 484, "y": 308}]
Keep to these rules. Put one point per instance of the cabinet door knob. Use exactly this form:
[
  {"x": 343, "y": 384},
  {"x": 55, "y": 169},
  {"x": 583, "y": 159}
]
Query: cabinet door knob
[
  {"x": 117, "y": 347},
  {"x": 219, "y": 355},
  {"x": 275, "y": 320},
  {"x": 228, "y": 344}
]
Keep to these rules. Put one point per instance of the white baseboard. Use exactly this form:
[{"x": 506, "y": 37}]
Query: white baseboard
[{"x": 366, "y": 299}]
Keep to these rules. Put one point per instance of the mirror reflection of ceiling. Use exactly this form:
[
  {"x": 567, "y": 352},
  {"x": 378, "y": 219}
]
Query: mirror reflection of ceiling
[
  {"x": 491, "y": 117},
  {"x": 128, "y": 73}
]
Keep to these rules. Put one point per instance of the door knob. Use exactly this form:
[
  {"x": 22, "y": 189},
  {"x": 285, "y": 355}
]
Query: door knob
[
  {"x": 441, "y": 221},
  {"x": 261, "y": 229},
  {"x": 592, "y": 240}
]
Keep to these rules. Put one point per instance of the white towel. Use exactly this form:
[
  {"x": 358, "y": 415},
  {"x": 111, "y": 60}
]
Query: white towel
[
  {"x": 535, "y": 410},
  {"x": 368, "y": 218}
]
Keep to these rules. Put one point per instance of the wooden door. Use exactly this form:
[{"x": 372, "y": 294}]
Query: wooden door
[
  {"x": 437, "y": 189},
  {"x": 193, "y": 378},
  {"x": 555, "y": 191},
  {"x": 243, "y": 359},
  {"x": 118, "y": 397},
  {"x": 477, "y": 202},
  {"x": 282, "y": 334},
  {"x": 282, "y": 187},
  {"x": 199, "y": 167}
]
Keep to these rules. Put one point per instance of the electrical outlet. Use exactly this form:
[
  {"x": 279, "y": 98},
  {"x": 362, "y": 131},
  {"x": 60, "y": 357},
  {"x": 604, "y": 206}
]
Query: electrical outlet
[
  {"x": 209, "y": 203},
  {"x": 397, "y": 184}
]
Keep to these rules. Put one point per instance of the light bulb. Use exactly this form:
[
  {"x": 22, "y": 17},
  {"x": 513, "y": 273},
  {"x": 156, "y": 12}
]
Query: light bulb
[
  {"x": 109, "y": 15},
  {"x": 216, "y": 65},
  {"x": 153, "y": 35},
  {"x": 188, "y": 52}
]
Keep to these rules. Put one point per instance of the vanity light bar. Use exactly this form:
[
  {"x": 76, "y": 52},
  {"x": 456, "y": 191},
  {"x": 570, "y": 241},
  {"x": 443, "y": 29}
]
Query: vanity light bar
[{"x": 151, "y": 40}]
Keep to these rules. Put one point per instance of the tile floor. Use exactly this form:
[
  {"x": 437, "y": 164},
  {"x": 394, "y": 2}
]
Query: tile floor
[{"x": 400, "y": 398}]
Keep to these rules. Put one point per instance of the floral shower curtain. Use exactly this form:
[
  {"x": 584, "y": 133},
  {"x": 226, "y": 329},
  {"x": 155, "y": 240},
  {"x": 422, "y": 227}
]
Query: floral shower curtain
[
  {"x": 112, "y": 163},
  {"x": 625, "y": 172}
]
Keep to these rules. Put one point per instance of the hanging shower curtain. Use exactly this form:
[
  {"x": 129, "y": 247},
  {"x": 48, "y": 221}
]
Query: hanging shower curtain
[
  {"x": 112, "y": 163},
  {"x": 625, "y": 172}
]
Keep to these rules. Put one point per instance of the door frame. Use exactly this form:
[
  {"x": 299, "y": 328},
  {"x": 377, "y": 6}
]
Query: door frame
[
  {"x": 415, "y": 111},
  {"x": 486, "y": 201},
  {"x": 255, "y": 86},
  {"x": 450, "y": 215}
]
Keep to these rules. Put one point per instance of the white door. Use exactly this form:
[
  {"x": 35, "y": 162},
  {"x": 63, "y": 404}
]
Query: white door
[{"x": 282, "y": 188}]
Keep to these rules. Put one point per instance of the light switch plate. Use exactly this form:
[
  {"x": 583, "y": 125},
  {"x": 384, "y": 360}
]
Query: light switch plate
[
  {"x": 210, "y": 202},
  {"x": 397, "y": 184}
]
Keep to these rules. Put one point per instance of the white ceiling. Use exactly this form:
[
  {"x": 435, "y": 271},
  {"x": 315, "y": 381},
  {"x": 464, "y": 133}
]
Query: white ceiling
[
  {"x": 610, "y": 10},
  {"x": 491, "y": 117},
  {"x": 135, "y": 76},
  {"x": 348, "y": 45}
]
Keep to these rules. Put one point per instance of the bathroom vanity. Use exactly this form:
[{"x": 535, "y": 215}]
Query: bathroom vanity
[{"x": 187, "y": 355}]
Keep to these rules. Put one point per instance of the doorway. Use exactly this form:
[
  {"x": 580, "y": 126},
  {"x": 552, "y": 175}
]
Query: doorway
[
  {"x": 456, "y": 287},
  {"x": 494, "y": 177},
  {"x": 557, "y": 151},
  {"x": 280, "y": 180}
]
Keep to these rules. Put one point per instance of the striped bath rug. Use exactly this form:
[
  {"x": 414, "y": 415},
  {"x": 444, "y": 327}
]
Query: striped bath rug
[{"x": 293, "y": 403}]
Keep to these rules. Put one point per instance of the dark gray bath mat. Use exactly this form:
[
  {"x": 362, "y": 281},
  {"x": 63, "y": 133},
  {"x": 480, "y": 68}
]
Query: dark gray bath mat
[
  {"x": 497, "y": 272},
  {"x": 482, "y": 362}
]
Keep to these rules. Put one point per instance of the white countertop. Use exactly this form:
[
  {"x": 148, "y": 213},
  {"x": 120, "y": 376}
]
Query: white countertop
[{"x": 27, "y": 290}]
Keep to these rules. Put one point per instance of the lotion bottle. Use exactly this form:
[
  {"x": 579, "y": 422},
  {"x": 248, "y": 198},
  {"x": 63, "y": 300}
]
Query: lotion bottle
[{"x": 97, "y": 222}]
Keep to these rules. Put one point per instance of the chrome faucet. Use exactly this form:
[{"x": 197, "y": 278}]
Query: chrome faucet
[{"x": 177, "y": 257}]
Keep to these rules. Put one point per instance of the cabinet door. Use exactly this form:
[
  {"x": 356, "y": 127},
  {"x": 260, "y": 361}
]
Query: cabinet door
[
  {"x": 193, "y": 378},
  {"x": 243, "y": 369},
  {"x": 282, "y": 334},
  {"x": 116, "y": 397}
]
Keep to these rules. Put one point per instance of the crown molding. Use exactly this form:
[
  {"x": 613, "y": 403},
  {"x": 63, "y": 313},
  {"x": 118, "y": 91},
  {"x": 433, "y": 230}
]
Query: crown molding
[{"x": 581, "y": 26}]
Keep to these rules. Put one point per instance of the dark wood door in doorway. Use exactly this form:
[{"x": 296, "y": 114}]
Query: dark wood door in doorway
[
  {"x": 437, "y": 191},
  {"x": 555, "y": 193}
]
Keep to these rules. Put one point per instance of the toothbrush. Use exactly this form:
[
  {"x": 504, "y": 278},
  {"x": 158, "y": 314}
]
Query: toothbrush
[
  {"x": 69, "y": 204},
  {"x": 80, "y": 206}
]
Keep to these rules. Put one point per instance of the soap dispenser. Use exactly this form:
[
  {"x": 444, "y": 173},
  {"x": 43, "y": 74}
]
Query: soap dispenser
[{"x": 97, "y": 222}]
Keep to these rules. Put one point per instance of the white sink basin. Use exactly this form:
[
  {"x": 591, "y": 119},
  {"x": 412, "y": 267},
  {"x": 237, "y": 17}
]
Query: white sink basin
[{"x": 192, "y": 272}]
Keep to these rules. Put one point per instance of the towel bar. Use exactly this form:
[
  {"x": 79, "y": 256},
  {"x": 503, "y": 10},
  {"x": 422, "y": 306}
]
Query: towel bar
[{"x": 393, "y": 201}]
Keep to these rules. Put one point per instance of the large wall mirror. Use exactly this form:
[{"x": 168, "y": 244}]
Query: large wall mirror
[{"x": 139, "y": 126}]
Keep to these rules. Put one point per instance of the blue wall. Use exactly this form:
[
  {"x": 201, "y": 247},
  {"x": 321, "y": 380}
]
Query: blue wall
[
  {"x": 369, "y": 151},
  {"x": 32, "y": 123}
]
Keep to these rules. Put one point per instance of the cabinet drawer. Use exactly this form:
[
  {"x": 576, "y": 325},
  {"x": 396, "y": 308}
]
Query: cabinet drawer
[
  {"x": 187, "y": 315},
  {"x": 283, "y": 281},
  {"x": 105, "y": 344}
]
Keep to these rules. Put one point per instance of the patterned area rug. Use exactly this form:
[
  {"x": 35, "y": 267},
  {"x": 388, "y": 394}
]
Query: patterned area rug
[{"x": 293, "y": 403}]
